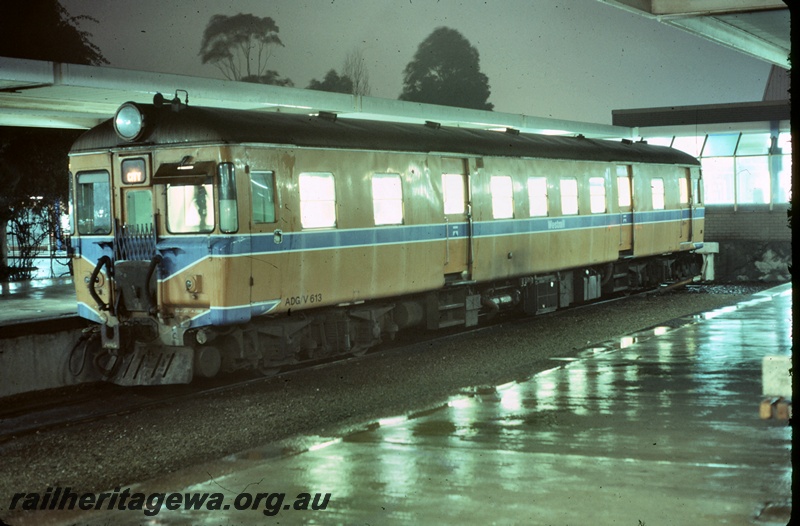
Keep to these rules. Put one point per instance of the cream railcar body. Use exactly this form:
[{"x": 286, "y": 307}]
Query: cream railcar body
[{"x": 209, "y": 239}]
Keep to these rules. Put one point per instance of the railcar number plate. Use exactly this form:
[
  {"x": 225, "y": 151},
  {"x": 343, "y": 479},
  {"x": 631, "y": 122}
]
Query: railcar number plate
[{"x": 305, "y": 299}]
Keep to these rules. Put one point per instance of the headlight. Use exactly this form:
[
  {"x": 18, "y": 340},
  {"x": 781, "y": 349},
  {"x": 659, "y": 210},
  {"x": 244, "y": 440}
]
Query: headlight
[{"x": 129, "y": 122}]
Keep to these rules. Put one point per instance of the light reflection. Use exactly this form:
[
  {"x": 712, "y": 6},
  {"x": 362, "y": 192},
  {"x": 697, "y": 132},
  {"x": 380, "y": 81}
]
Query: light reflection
[
  {"x": 658, "y": 331},
  {"x": 323, "y": 445},
  {"x": 626, "y": 341},
  {"x": 392, "y": 421},
  {"x": 511, "y": 399}
]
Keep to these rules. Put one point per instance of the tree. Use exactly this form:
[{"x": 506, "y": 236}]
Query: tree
[
  {"x": 239, "y": 45},
  {"x": 446, "y": 70},
  {"x": 43, "y": 30},
  {"x": 33, "y": 162},
  {"x": 271, "y": 77},
  {"x": 332, "y": 82},
  {"x": 355, "y": 69}
]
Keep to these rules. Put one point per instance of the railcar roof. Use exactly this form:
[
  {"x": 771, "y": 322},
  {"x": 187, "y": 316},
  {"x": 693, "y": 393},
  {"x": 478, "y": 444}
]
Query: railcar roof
[{"x": 198, "y": 125}]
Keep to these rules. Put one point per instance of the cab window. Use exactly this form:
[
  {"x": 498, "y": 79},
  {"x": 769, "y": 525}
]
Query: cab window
[
  {"x": 190, "y": 208},
  {"x": 93, "y": 203}
]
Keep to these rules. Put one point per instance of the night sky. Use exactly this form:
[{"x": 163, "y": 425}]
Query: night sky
[{"x": 567, "y": 59}]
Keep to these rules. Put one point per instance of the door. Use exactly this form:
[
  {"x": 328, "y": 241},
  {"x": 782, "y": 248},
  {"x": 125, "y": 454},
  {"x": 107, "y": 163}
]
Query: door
[
  {"x": 686, "y": 199},
  {"x": 458, "y": 219},
  {"x": 625, "y": 200}
]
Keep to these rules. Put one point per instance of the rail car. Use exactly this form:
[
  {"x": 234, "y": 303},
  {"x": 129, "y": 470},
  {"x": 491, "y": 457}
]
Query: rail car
[{"x": 208, "y": 240}]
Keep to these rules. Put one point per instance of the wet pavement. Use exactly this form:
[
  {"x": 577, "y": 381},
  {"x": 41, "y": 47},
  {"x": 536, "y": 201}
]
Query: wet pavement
[
  {"x": 658, "y": 428},
  {"x": 35, "y": 300}
]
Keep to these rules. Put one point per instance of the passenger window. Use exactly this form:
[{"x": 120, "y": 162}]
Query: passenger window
[
  {"x": 537, "y": 196},
  {"x": 93, "y": 206},
  {"x": 569, "y": 196},
  {"x": 262, "y": 195},
  {"x": 597, "y": 195},
  {"x": 190, "y": 208},
  {"x": 387, "y": 199},
  {"x": 502, "y": 197},
  {"x": 657, "y": 188},
  {"x": 317, "y": 200},
  {"x": 454, "y": 193}
]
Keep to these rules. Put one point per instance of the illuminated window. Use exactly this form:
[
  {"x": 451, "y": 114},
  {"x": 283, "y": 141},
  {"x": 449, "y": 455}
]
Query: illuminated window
[
  {"x": 753, "y": 144},
  {"x": 93, "y": 203},
  {"x": 752, "y": 180},
  {"x": 133, "y": 171},
  {"x": 569, "y": 196},
  {"x": 262, "y": 195},
  {"x": 190, "y": 208},
  {"x": 597, "y": 195},
  {"x": 721, "y": 145},
  {"x": 718, "y": 180},
  {"x": 502, "y": 197},
  {"x": 387, "y": 199},
  {"x": 623, "y": 186},
  {"x": 317, "y": 200},
  {"x": 454, "y": 193},
  {"x": 657, "y": 189},
  {"x": 783, "y": 167},
  {"x": 537, "y": 196},
  {"x": 683, "y": 188},
  {"x": 692, "y": 145}
]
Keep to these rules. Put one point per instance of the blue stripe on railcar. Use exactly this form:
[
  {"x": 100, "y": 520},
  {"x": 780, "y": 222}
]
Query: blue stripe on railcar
[{"x": 183, "y": 251}]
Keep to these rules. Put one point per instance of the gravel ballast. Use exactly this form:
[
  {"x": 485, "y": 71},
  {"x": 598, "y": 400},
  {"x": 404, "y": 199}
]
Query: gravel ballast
[{"x": 123, "y": 450}]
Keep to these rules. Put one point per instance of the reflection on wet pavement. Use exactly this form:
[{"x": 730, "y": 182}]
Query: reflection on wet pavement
[{"x": 660, "y": 428}]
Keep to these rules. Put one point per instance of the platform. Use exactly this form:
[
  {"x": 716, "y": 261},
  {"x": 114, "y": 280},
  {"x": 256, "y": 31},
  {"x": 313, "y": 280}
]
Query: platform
[
  {"x": 659, "y": 428},
  {"x": 37, "y": 300}
]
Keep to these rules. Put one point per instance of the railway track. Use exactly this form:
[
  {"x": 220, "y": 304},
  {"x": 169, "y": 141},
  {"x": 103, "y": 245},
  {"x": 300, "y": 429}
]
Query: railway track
[{"x": 90, "y": 403}]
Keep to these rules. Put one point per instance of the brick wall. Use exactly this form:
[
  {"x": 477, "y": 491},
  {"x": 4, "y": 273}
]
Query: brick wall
[{"x": 755, "y": 242}]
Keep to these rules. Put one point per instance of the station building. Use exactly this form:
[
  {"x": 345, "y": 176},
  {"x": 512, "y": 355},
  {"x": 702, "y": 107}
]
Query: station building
[{"x": 746, "y": 155}]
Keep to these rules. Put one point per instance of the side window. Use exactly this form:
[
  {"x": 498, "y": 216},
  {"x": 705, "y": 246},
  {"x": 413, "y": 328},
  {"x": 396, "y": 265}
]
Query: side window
[
  {"x": 387, "y": 199},
  {"x": 190, "y": 208},
  {"x": 597, "y": 195},
  {"x": 454, "y": 193},
  {"x": 262, "y": 195},
  {"x": 657, "y": 188},
  {"x": 93, "y": 203},
  {"x": 317, "y": 200},
  {"x": 569, "y": 196},
  {"x": 537, "y": 196},
  {"x": 502, "y": 197}
]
